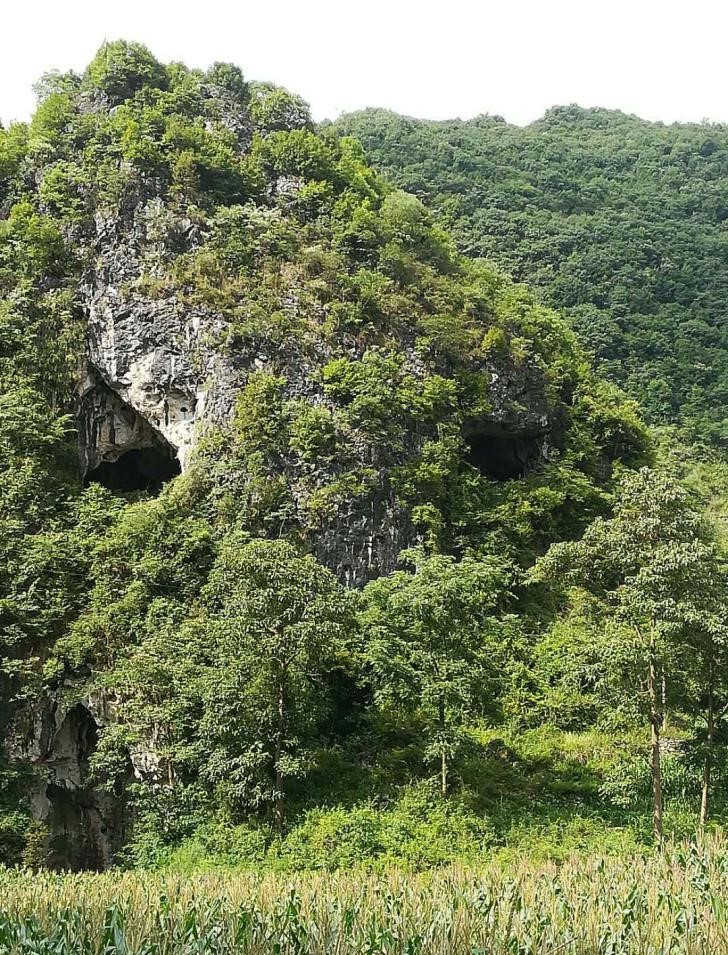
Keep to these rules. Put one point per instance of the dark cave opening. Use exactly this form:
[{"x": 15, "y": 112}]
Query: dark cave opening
[
  {"x": 502, "y": 456},
  {"x": 86, "y": 824},
  {"x": 140, "y": 469},
  {"x": 76, "y": 832}
]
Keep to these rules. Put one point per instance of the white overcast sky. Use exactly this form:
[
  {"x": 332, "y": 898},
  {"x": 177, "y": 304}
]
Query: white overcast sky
[{"x": 660, "y": 59}]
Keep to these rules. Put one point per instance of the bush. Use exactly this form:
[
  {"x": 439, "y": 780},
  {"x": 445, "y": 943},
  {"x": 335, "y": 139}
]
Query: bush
[
  {"x": 230, "y": 78},
  {"x": 218, "y": 845},
  {"x": 273, "y": 109},
  {"x": 418, "y": 832},
  {"x": 313, "y": 432},
  {"x": 15, "y": 829},
  {"x": 119, "y": 69},
  {"x": 300, "y": 153}
]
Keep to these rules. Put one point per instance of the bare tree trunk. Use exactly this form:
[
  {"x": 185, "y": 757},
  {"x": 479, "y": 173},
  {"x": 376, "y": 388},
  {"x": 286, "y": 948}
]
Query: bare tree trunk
[
  {"x": 279, "y": 809},
  {"x": 708, "y": 764},
  {"x": 443, "y": 755},
  {"x": 655, "y": 726}
]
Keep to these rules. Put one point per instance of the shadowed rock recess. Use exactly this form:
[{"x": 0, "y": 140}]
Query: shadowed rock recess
[
  {"x": 120, "y": 449},
  {"x": 141, "y": 469},
  {"x": 85, "y": 825},
  {"x": 503, "y": 456},
  {"x": 221, "y": 292}
]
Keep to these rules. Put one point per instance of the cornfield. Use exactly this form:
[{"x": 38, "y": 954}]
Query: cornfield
[{"x": 669, "y": 902}]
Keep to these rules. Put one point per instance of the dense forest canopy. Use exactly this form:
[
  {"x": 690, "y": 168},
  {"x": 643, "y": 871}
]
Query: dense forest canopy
[
  {"x": 320, "y": 543},
  {"x": 619, "y": 222}
]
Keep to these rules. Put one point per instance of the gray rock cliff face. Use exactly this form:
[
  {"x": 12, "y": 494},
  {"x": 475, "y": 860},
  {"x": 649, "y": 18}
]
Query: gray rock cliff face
[
  {"x": 58, "y": 738},
  {"x": 156, "y": 376},
  {"x": 152, "y": 357}
]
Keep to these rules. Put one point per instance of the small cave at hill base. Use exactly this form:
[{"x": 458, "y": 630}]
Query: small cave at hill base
[
  {"x": 85, "y": 825},
  {"x": 502, "y": 456},
  {"x": 139, "y": 469}
]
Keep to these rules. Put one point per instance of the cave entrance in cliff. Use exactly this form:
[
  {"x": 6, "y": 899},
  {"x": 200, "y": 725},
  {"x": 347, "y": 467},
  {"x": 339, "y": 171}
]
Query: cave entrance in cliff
[
  {"x": 502, "y": 456},
  {"x": 79, "y": 835},
  {"x": 139, "y": 469}
]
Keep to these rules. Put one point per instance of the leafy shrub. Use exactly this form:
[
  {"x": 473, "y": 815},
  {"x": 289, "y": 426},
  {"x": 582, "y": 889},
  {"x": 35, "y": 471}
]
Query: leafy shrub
[
  {"x": 419, "y": 831},
  {"x": 220, "y": 845},
  {"x": 274, "y": 109},
  {"x": 120, "y": 69},
  {"x": 230, "y": 78},
  {"x": 313, "y": 431},
  {"x": 299, "y": 152}
]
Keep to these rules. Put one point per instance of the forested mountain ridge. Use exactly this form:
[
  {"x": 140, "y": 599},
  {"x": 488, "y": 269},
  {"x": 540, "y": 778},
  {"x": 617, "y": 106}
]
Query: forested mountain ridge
[
  {"x": 617, "y": 221},
  {"x": 321, "y": 544}
]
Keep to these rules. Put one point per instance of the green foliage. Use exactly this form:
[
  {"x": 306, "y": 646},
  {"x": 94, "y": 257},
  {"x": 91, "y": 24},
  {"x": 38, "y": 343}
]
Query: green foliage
[
  {"x": 230, "y": 78},
  {"x": 419, "y": 832},
  {"x": 655, "y": 568},
  {"x": 299, "y": 152},
  {"x": 31, "y": 242},
  {"x": 275, "y": 110},
  {"x": 313, "y": 433},
  {"x": 385, "y": 391},
  {"x": 259, "y": 414},
  {"x": 406, "y": 222},
  {"x": 245, "y": 236},
  {"x": 438, "y": 644},
  {"x": 618, "y": 221},
  {"x": 218, "y": 845},
  {"x": 121, "y": 69},
  {"x": 279, "y": 621}
]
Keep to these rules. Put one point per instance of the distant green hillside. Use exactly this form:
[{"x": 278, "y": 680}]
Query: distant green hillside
[{"x": 620, "y": 221}]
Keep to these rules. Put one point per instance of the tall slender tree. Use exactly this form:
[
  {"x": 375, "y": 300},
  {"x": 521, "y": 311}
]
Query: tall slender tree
[
  {"x": 708, "y": 636},
  {"x": 654, "y": 563},
  {"x": 437, "y": 644}
]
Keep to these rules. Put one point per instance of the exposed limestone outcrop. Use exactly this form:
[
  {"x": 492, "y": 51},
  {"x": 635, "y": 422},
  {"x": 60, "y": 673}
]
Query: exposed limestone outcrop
[
  {"x": 147, "y": 353},
  {"x": 157, "y": 375},
  {"x": 58, "y": 737}
]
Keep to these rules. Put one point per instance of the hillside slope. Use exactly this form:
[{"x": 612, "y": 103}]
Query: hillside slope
[
  {"x": 618, "y": 221},
  {"x": 237, "y": 368}
]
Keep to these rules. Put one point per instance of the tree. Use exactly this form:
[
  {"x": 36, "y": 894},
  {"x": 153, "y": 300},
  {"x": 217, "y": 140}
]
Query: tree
[
  {"x": 279, "y": 622},
  {"x": 274, "y": 109},
  {"x": 120, "y": 69},
  {"x": 653, "y": 563},
  {"x": 230, "y": 78},
  {"x": 708, "y": 636},
  {"x": 437, "y": 643}
]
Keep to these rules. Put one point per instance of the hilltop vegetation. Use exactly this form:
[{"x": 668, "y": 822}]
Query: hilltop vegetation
[
  {"x": 618, "y": 222},
  {"x": 387, "y": 614}
]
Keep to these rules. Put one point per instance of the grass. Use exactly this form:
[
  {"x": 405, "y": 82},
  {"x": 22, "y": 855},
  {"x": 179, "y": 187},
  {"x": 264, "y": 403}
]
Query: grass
[{"x": 669, "y": 902}]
